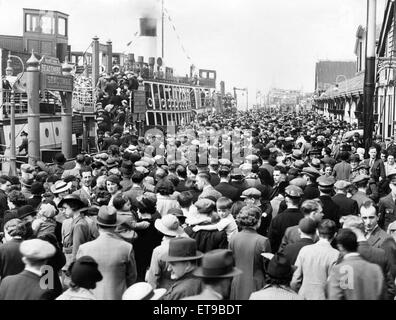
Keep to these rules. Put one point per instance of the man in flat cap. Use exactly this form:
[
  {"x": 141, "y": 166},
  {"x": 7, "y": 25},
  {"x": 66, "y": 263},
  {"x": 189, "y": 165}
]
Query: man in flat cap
[
  {"x": 30, "y": 283},
  {"x": 347, "y": 206},
  {"x": 330, "y": 209},
  {"x": 377, "y": 168},
  {"x": 311, "y": 191},
  {"x": 290, "y": 217}
]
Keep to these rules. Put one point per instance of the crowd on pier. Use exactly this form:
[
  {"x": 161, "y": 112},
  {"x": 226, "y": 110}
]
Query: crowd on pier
[{"x": 247, "y": 205}]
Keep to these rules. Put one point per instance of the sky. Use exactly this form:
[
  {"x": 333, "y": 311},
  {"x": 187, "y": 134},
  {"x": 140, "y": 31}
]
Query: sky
[{"x": 258, "y": 44}]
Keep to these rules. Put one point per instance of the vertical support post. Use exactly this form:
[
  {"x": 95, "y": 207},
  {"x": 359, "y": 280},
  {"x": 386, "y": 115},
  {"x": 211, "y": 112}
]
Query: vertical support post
[
  {"x": 32, "y": 89},
  {"x": 66, "y": 116},
  {"x": 95, "y": 62},
  {"x": 109, "y": 56},
  {"x": 85, "y": 134},
  {"x": 12, "y": 144},
  {"x": 369, "y": 75},
  {"x": 162, "y": 32}
]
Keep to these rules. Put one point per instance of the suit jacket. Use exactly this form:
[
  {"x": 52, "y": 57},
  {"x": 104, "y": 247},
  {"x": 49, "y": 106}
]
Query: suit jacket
[
  {"x": 311, "y": 191},
  {"x": 378, "y": 256},
  {"x": 314, "y": 263},
  {"x": 24, "y": 286},
  {"x": 186, "y": 286},
  {"x": 366, "y": 277},
  {"x": 377, "y": 237},
  {"x": 292, "y": 235},
  {"x": 330, "y": 209},
  {"x": 288, "y": 218},
  {"x": 377, "y": 170},
  {"x": 360, "y": 198},
  {"x": 214, "y": 179},
  {"x": 10, "y": 259},
  {"x": 347, "y": 206},
  {"x": 386, "y": 211},
  {"x": 181, "y": 186},
  {"x": 292, "y": 250},
  {"x": 228, "y": 191},
  {"x": 342, "y": 171},
  {"x": 116, "y": 262}
]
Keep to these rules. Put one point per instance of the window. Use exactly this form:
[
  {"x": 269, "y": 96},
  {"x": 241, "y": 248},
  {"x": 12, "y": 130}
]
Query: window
[
  {"x": 150, "y": 118},
  {"x": 39, "y": 24},
  {"x": 159, "y": 119},
  {"x": 62, "y": 27}
]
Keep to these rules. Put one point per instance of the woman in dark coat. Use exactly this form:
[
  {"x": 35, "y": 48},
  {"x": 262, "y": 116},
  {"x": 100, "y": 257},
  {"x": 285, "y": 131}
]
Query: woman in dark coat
[
  {"x": 148, "y": 238},
  {"x": 247, "y": 247}
]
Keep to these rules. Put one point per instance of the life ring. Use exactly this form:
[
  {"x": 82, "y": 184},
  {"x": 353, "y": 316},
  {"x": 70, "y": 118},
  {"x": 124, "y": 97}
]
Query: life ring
[{"x": 150, "y": 102}]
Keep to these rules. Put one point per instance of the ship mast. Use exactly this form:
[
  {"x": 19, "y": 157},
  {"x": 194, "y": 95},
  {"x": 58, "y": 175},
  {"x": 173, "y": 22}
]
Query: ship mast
[{"x": 162, "y": 29}]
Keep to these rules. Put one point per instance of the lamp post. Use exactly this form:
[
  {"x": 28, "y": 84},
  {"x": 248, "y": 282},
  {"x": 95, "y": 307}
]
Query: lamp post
[{"x": 12, "y": 120}]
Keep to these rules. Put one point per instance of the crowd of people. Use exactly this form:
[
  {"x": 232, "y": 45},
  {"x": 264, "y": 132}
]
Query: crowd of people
[{"x": 238, "y": 206}]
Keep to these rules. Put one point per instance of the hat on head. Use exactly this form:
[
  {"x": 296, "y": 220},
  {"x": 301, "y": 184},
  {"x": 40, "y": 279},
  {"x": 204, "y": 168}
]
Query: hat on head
[
  {"x": 311, "y": 172},
  {"x": 47, "y": 210},
  {"x": 141, "y": 164},
  {"x": 143, "y": 291},
  {"x": 315, "y": 163},
  {"x": 342, "y": 184},
  {"x": 361, "y": 178},
  {"x": 296, "y": 155},
  {"x": 251, "y": 193},
  {"x": 182, "y": 249},
  {"x": 279, "y": 267},
  {"x": 111, "y": 163},
  {"x": 307, "y": 225},
  {"x": 293, "y": 191},
  {"x": 205, "y": 205},
  {"x": 82, "y": 202},
  {"x": 133, "y": 157},
  {"x": 23, "y": 133},
  {"x": 27, "y": 182},
  {"x": 299, "y": 164},
  {"x": 85, "y": 272},
  {"x": 299, "y": 182},
  {"x": 236, "y": 172},
  {"x": 26, "y": 210},
  {"x": 392, "y": 177},
  {"x": 169, "y": 225},
  {"x": 37, "y": 249},
  {"x": 16, "y": 228},
  {"x": 114, "y": 179},
  {"x": 218, "y": 263},
  {"x": 176, "y": 212},
  {"x": 325, "y": 182},
  {"x": 252, "y": 157},
  {"x": 27, "y": 168},
  {"x": 107, "y": 217},
  {"x": 60, "y": 158},
  {"x": 225, "y": 162},
  {"x": 60, "y": 186}
]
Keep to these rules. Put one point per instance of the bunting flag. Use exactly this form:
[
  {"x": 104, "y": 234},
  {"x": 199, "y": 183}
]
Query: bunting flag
[{"x": 177, "y": 35}]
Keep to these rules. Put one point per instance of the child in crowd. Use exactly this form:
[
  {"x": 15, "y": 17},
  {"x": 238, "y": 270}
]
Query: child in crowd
[
  {"x": 45, "y": 220},
  {"x": 226, "y": 222}
]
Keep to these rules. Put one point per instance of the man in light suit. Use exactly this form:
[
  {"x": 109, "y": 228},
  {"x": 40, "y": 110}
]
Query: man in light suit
[
  {"x": 354, "y": 278},
  {"x": 314, "y": 263},
  {"x": 115, "y": 257},
  {"x": 85, "y": 192}
]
